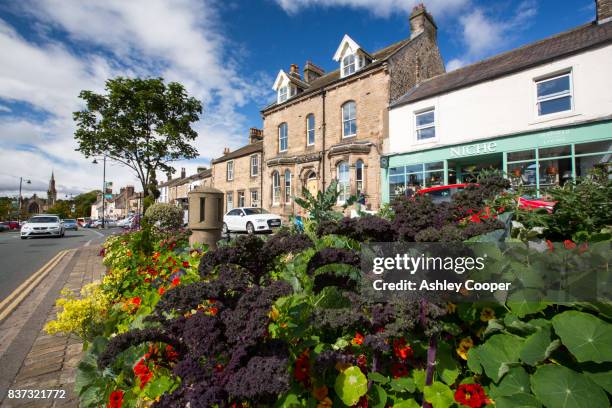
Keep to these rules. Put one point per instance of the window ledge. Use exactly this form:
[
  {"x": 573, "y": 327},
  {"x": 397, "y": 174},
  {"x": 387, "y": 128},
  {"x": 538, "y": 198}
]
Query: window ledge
[{"x": 554, "y": 116}]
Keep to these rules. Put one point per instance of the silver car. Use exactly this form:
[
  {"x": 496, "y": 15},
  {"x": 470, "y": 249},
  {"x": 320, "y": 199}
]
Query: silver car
[{"x": 43, "y": 226}]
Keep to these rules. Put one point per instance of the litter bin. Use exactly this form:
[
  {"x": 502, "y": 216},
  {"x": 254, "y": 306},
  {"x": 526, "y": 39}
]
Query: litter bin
[{"x": 205, "y": 215}]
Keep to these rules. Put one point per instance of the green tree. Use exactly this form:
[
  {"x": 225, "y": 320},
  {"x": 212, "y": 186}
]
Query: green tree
[
  {"x": 60, "y": 208},
  {"x": 144, "y": 124},
  {"x": 83, "y": 203}
]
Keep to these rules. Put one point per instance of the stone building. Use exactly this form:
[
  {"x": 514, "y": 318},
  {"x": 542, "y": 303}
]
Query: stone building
[
  {"x": 37, "y": 205},
  {"x": 238, "y": 173},
  {"x": 326, "y": 126},
  {"x": 175, "y": 191}
]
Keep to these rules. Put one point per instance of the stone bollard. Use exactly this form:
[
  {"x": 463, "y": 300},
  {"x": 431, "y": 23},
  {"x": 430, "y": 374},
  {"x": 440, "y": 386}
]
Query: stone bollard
[{"x": 205, "y": 215}]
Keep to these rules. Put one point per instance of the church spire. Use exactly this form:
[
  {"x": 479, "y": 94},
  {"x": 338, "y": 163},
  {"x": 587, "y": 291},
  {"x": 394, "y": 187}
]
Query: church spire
[{"x": 52, "y": 192}]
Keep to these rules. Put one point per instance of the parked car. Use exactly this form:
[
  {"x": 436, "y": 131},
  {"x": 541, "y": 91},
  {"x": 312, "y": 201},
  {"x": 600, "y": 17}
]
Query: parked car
[
  {"x": 82, "y": 221},
  {"x": 71, "y": 224},
  {"x": 250, "y": 220},
  {"x": 4, "y": 227},
  {"x": 43, "y": 225},
  {"x": 126, "y": 222},
  {"x": 11, "y": 225},
  {"x": 441, "y": 194}
]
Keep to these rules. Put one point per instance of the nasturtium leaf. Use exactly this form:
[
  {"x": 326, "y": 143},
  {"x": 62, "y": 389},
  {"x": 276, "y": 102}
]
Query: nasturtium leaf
[
  {"x": 406, "y": 404},
  {"x": 378, "y": 377},
  {"x": 351, "y": 385},
  {"x": 402, "y": 384},
  {"x": 419, "y": 379},
  {"x": 517, "y": 401},
  {"x": 473, "y": 361},
  {"x": 289, "y": 400},
  {"x": 379, "y": 397},
  {"x": 586, "y": 337},
  {"x": 536, "y": 347},
  {"x": 498, "y": 353},
  {"x": 439, "y": 395},
  {"x": 600, "y": 374},
  {"x": 446, "y": 366},
  {"x": 521, "y": 303},
  {"x": 516, "y": 381},
  {"x": 558, "y": 386},
  {"x": 158, "y": 387}
]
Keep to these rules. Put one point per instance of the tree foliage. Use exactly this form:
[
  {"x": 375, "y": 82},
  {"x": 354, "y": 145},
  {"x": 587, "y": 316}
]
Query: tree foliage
[{"x": 144, "y": 124}]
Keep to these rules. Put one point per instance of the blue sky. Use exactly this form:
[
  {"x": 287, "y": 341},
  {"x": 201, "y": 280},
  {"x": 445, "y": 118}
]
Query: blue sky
[{"x": 227, "y": 53}]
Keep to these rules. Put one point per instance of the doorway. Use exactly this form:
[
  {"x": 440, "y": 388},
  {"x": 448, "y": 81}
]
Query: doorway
[{"x": 467, "y": 169}]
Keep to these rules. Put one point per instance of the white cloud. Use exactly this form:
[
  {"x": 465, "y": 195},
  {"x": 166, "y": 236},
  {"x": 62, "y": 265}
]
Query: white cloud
[
  {"x": 483, "y": 34},
  {"x": 382, "y": 8},
  {"x": 179, "y": 40}
]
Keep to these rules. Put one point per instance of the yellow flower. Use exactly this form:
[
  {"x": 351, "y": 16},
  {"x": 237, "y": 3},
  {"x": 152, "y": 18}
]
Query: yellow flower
[
  {"x": 274, "y": 314},
  {"x": 464, "y": 346},
  {"x": 451, "y": 308},
  {"x": 487, "y": 314}
]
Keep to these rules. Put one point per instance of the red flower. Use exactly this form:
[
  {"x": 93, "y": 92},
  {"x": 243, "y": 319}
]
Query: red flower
[
  {"x": 399, "y": 370},
  {"x": 569, "y": 244},
  {"x": 171, "y": 354},
  {"x": 141, "y": 370},
  {"x": 401, "y": 349},
  {"x": 115, "y": 400},
  {"x": 136, "y": 301},
  {"x": 551, "y": 246},
  {"x": 176, "y": 281},
  {"x": 358, "y": 339},
  {"x": 471, "y": 395},
  {"x": 475, "y": 218},
  {"x": 213, "y": 311},
  {"x": 302, "y": 367},
  {"x": 362, "y": 362},
  {"x": 186, "y": 264},
  {"x": 161, "y": 290},
  {"x": 583, "y": 248}
]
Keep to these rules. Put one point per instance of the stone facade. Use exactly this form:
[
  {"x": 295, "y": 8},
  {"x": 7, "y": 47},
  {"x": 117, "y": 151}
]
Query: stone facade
[
  {"x": 238, "y": 174},
  {"x": 390, "y": 75},
  {"x": 603, "y": 10}
]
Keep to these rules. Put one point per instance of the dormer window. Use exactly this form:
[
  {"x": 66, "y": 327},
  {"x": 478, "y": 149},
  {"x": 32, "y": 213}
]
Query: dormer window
[
  {"x": 348, "y": 65},
  {"x": 282, "y": 94}
]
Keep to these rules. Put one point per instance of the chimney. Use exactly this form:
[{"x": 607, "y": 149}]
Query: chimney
[
  {"x": 422, "y": 21},
  {"x": 294, "y": 71},
  {"x": 255, "y": 135},
  {"x": 201, "y": 169},
  {"x": 183, "y": 172},
  {"x": 312, "y": 72},
  {"x": 603, "y": 9},
  {"x": 226, "y": 151}
]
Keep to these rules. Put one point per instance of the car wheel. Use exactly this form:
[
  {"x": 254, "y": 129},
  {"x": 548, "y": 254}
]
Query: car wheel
[
  {"x": 24, "y": 237},
  {"x": 224, "y": 230},
  {"x": 249, "y": 228}
]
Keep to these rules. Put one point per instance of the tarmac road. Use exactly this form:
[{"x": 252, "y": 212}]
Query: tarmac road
[{"x": 21, "y": 258}]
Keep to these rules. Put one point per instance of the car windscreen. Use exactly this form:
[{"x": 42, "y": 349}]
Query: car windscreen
[
  {"x": 41, "y": 220},
  {"x": 69, "y": 220},
  {"x": 254, "y": 211}
]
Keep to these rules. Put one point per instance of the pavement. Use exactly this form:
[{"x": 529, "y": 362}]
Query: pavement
[{"x": 30, "y": 359}]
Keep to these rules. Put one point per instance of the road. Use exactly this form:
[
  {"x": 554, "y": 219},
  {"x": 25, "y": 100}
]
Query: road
[{"x": 21, "y": 258}]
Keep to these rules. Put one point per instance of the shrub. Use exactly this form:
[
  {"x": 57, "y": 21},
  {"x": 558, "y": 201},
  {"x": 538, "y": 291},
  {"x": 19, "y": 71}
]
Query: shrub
[{"x": 165, "y": 215}]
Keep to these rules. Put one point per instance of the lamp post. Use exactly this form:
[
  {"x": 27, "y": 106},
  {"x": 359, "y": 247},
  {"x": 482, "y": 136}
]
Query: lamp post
[
  {"x": 28, "y": 181},
  {"x": 103, "y": 188}
]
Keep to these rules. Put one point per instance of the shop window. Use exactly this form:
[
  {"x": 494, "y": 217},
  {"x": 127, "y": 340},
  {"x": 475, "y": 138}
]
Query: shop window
[
  {"x": 554, "y": 94},
  {"x": 557, "y": 151},
  {"x": 522, "y": 174},
  {"x": 276, "y": 188},
  {"x": 434, "y": 166},
  {"x": 585, "y": 164},
  {"x": 287, "y": 186},
  {"x": 594, "y": 147},
  {"x": 359, "y": 176},
  {"x": 344, "y": 186},
  {"x": 349, "y": 119},
  {"x": 555, "y": 172},
  {"x": 425, "y": 125},
  {"x": 521, "y": 156}
]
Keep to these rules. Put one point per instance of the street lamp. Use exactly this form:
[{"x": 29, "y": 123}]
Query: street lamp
[
  {"x": 103, "y": 188},
  {"x": 21, "y": 180}
]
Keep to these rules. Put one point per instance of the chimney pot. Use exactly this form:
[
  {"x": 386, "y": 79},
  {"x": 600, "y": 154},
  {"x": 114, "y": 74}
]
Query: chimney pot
[
  {"x": 201, "y": 169},
  {"x": 255, "y": 135},
  {"x": 294, "y": 70},
  {"x": 312, "y": 72},
  {"x": 183, "y": 172},
  {"x": 422, "y": 21},
  {"x": 226, "y": 150}
]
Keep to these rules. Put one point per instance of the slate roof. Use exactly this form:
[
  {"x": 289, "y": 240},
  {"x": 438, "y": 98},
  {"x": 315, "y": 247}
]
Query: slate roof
[
  {"x": 378, "y": 57},
  {"x": 538, "y": 53},
  {"x": 243, "y": 151}
]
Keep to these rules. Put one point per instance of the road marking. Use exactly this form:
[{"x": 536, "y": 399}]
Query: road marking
[
  {"x": 87, "y": 243},
  {"x": 14, "y": 299},
  {"x": 99, "y": 233}
]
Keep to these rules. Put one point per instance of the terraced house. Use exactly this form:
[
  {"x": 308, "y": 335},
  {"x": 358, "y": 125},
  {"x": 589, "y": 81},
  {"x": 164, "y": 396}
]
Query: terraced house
[{"x": 326, "y": 126}]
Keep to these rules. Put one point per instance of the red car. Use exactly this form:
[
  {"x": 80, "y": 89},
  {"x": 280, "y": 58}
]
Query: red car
[
  {"x": 12, "y": 225},
  {"x": 440, "y": 194}
]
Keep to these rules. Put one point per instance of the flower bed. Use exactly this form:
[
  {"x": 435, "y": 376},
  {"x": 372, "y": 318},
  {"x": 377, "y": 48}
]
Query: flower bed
[{"x": 284, "y": 322}]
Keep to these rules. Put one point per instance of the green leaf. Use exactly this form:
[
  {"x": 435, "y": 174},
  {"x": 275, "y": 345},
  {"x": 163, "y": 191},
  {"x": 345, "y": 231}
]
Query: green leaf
[
  {"x": 159, "y": 386},
  {"x": 600, "y": 375},
  {"x": 289, "y": 400},
  {"x": 558, "y": 386},
  {"x": 447, "y": 367},
  {"x": 379, "y": 397},
  {"x": 419, "y": 379},
  {"x": 351, "y": 385},
  {"x": 406, "y": 404},
  {"x": 517, "y": 401},
  {"x": 402, "y": 384},
  {"x": 473, "y": 361},
  {"x": 439, "y": 395},
  {"x": 516, "y": 381},
  {"x": 537, "y": 346},
  {"x": 587, "y": 337},
  {"x": 521, "y": 302},
  {"x": 378, "y": 378},
  {"x": 498, "y": 353}
]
